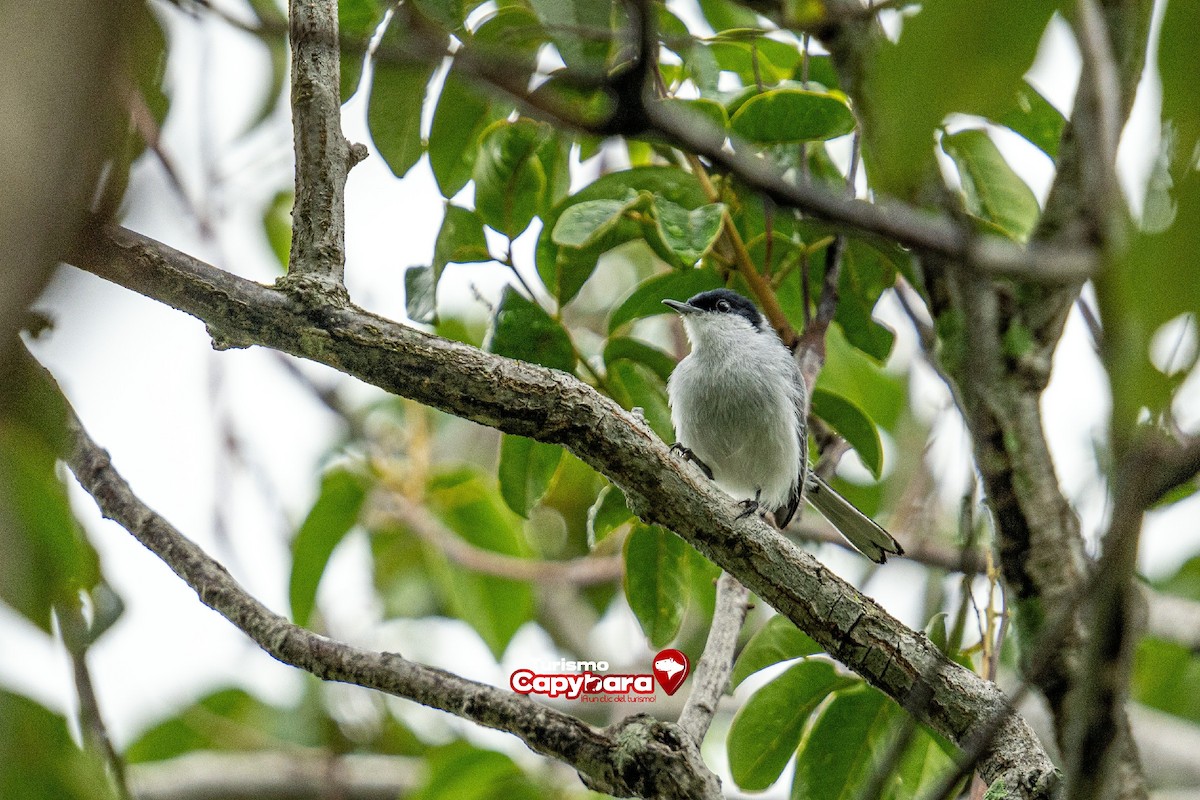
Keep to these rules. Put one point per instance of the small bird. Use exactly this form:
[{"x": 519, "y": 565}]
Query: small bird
[{"x": 740, "y": 409}]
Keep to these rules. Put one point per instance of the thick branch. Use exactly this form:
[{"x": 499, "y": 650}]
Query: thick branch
[
  {"x": 551, "y": 406},
  {"x": 668, "y": 765},
  {"x": 323, "y": 156}
]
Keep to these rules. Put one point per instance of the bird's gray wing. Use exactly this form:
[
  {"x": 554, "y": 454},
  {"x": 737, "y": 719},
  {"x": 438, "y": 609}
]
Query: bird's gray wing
[{"x": 784, "y": 514}]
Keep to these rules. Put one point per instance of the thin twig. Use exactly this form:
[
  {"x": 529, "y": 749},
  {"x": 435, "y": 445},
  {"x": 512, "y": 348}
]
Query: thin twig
[{"x": 716, "y": 663}]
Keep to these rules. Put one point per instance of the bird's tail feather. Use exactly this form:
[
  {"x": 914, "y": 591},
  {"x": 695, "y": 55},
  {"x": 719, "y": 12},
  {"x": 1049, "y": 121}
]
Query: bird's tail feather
[{"x": 858, "y": 529}]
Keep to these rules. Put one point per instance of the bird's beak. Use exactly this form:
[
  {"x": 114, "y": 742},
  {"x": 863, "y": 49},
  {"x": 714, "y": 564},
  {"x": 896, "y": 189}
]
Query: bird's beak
[{"x": 682, "y": 308}]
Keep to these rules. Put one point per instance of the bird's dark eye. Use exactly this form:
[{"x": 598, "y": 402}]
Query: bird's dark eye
[{"x": 722, "y": 305}]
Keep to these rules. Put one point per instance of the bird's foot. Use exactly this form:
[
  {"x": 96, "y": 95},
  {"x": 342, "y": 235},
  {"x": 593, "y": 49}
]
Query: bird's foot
[
  {"x": 688, "y": 455},
  {"x": 750, "y": 505}
]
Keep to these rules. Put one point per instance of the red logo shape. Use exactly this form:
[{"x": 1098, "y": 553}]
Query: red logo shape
[{"x": 671, "y": 667}]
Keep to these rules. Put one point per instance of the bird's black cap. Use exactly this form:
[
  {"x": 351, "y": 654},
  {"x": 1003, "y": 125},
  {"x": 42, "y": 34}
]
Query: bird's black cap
[{"x": 720, "y": 301}]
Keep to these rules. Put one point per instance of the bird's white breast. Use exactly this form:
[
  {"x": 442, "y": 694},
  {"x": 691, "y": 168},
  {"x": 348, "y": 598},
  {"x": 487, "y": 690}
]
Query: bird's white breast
[{"x": 734, "y": 403}]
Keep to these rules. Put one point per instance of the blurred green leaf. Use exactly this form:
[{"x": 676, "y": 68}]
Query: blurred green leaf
[
  {"x": 509, "y": 177},
  {"x": 526, "y": 469},
  {"x": 1166, "y": 676},
  {"x": 634, "y": 385},
  {"x": 778, "y": 640},
  {"x": 646, "y": 300},
  {"x": 725, "y": 14},
  {"x": 564, "y": 270},
  {"x": 767, "y": 729},
  {"x": 866, "y": 273},
  {"x": 608, "y": 513},
  {"x": 619, "y": 347},
  {"x": 206, "y": 725},
  {"x": 689, "y": 234},
  {"x": 657, "y": 584},
  {"x": 992, "y": 190},
  {"x": 1185, "y": 582},
  {"x": 277, "y": 224},
  {"x": 460, "y": 240},
  {"x": 47, "y": 560},
  {"x": 41, "y": 762},
  {"x": 397, "y": 97},
  {"x": 459, "y": 771},
  {"x": 846, "y": 743},
  {"x": 420, "y": 302},
  {"x": 853, "y": 424},
  {"x": 357, "y": 21},
  {"x": 1178, "y": 66},
  {"x": 581, "y": 31},
  {"x": 462, "y": 114},
  {"x": 857, "y": 377},
  {"x": 1154, "y": 283},
  {"x": 793, "y": 115},
  {"x": 331, "y": 517},
  {"x": 494, "y": 607},
  {"x": 1033, "y": 117},
  {"x": 584, "y": 223},
  {"x": 955, "y": 55},
  {"x": 522, "y": 329},
  {"x": 757, "y": 59}
]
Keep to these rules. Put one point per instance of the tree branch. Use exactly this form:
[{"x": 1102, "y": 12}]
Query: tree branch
[
  {"x": 550, "y": 406},
  {"x": 716, "y": 663},
  {"x": 323, "y": 156},
  {"x": 636, "y": 758}
]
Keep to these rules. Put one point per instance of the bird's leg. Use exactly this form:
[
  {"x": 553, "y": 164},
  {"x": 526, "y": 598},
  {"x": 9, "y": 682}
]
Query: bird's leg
[
  {"x": 688, "y": 455},
  {"x": 750, "y": 505}
]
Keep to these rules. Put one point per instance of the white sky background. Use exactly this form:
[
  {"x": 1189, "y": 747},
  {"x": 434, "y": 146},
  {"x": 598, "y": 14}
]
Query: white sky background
[{"x": 148, "y": 386}]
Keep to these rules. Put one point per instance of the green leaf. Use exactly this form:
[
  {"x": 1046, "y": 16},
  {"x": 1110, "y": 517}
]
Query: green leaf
[
  {"x": 394, "y": 108},
  {"x": 329, "y": 520},
  {"x": 608, "y": 513},
  {"x": 1166, "y": 676},
  {"x": 459, "y": 771},
  {"x": 461, "y": 115},
  {"x": 46, "y": 558},
  {"x": 584, "y": 223},
  {"x": 646, "y": 299},
  {"x": 522, "y": 329},
  {"x": 357, "y": 21},
  {"x": 992, "y": 190},
  {"x": 657, "y": 564},
  {"x": 853, "y": 424},
  {"x": 866, "y": 274},
  {"x": 205, "y": 725},
  {"x": 857, "y": 377},
  {"x": 578, "y": 30},
  {"x": 845, "y": 745},
  {"x": 1178, "y": 65},
  {"x": 635, "y": 386},
  {"x": 41, "y": 762},
  {"x": 564, "y": 270},
  {"x": 623, "y": 347},
  {"x": 955, "y": 55},
  {"x": 689, "y": 234},
  {"x": 1152, "y": 285},
  {"x": 1033, "y": 117},
  {"x": 420, "y": 302},
  {"x": 460, "y": 240},
  {"x": 767, "y": 729},
  {"x": 277, "y": 224},
  {"x": 509, "y": 177},
  {"x": 793, "y": 115},
  {"x": 778, "y": 640},
  {"x": 494, "y": 607},
  {"x": 526, "y": 469}
]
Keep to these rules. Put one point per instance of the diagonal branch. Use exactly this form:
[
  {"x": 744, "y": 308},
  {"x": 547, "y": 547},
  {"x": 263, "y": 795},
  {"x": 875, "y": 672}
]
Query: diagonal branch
[
  {"x": 716, "y": 662},
  {"x": 551, "y": 406},
  {"x": 670, "y": 765}
]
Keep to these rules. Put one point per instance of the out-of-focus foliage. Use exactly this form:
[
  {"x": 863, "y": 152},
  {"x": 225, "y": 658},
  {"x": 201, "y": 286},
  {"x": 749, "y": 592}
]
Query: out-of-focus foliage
[{"x": 596, "y": 232}]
